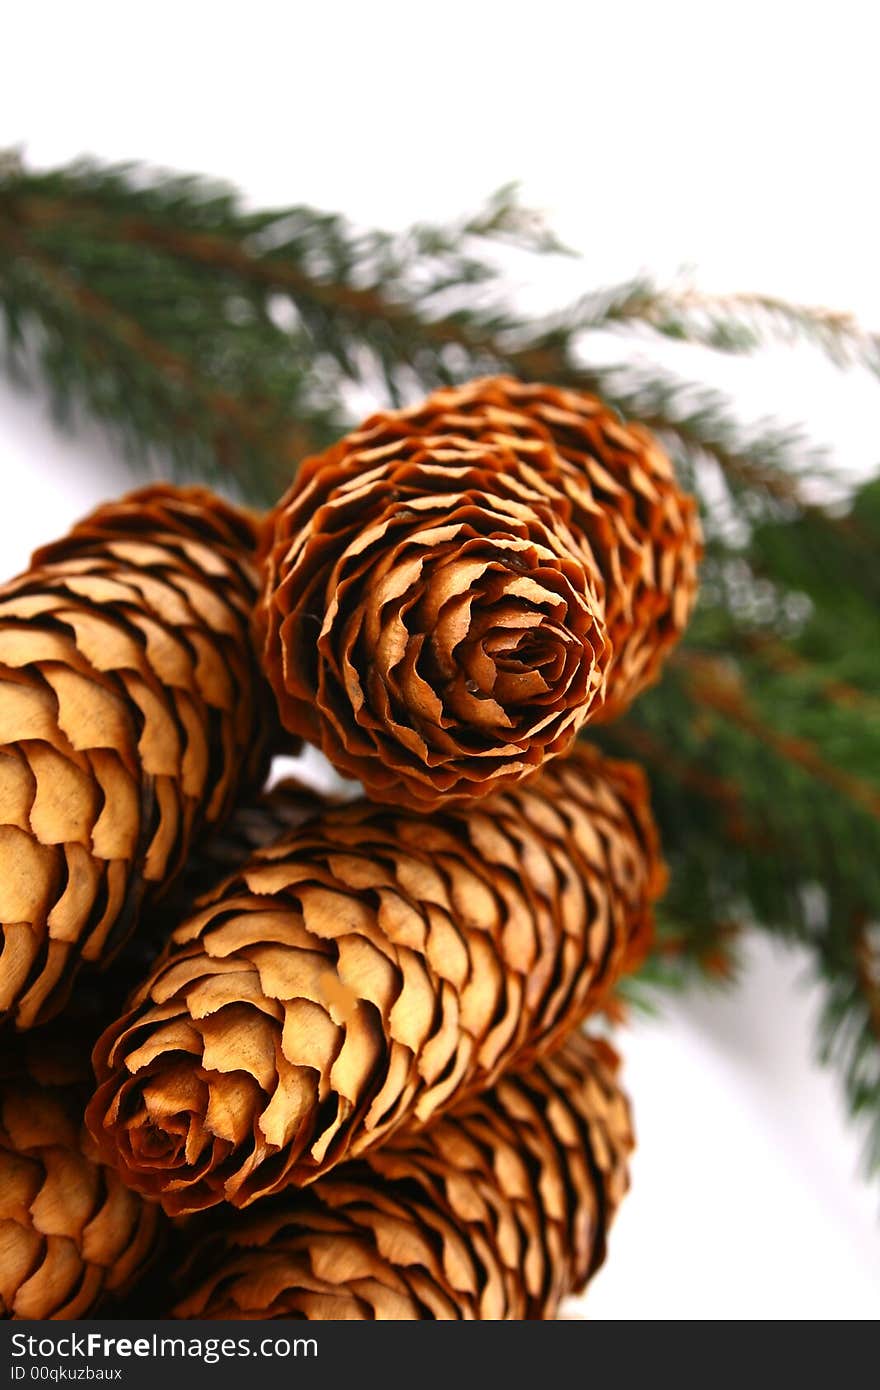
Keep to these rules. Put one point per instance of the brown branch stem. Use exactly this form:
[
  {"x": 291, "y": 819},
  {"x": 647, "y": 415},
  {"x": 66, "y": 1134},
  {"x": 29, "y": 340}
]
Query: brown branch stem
[{"x": 717, "y": 686}]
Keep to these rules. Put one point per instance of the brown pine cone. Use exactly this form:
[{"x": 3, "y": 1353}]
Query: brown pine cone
[
  {"x": 132, "y": 712},
  {"x": 429, "y": 619},
  {"x": 499, "y": 1210},
  {"x": 71, "y": 1233},
  {"x": 644, "y": 531},
  {"x": 365, "y": 973},
  {"x": 409, "y": 670}
]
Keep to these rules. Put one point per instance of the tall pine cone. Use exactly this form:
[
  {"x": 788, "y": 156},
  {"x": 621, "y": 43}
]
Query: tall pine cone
[
  {"x": 429, "y": 618},
  {"x": 131, "y": 714},
  {"x": 365, "y": 973},
  {"x": 496, "y": 1211},
  {"x": 71, "y": 1233}
]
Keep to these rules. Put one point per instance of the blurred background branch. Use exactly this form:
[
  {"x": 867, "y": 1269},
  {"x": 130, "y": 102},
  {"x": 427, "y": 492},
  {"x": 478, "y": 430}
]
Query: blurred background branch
[{"x": 227, "y": 344}]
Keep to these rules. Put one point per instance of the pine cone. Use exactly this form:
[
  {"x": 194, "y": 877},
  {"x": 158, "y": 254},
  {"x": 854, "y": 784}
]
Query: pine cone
[
  {"x": 644, "y": 531},
  {"x": 419, "y": 671},
  {"x": 131, "y": 713},
  {"x": 365, "y": 973},
  {"x": 429, "y": 618},
  {"x": 496, "y": 1211},
  {"x": 71, "y": 1233}
]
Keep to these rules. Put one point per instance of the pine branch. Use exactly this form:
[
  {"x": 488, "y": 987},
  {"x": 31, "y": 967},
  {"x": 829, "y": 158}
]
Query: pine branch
[
  {"x": 768, "y": 791},
  {"x": 780, "y": 657},
  {"x": 771, "y": 460},
  {"x": 368, "y": 302},
  {"x": 717, "y": 685},
  {"x": 744, "y": 323},
  {"x": 110, "y": 332}
]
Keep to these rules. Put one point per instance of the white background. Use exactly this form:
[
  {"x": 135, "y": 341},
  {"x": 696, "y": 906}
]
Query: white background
[{"x": 737, "y": 140}]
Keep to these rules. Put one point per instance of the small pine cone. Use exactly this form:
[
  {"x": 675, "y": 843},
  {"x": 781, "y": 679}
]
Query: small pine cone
[
  {"x": 499, "y": 1210},
  {"x": 131, "y": 714},
  {"x": 71, "y": 1233},
  {"x": 366, "y": 972},
  {"x": 429, "y": 619}
]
